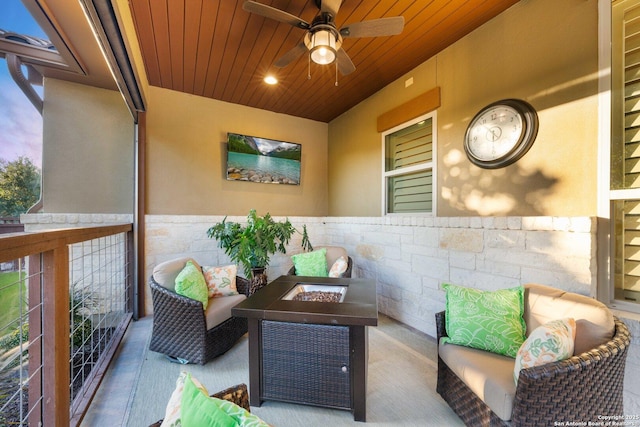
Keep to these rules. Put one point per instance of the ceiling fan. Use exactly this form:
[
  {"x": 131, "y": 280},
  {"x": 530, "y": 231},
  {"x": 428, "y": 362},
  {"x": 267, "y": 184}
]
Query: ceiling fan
[{"x": 323, "y": 39}]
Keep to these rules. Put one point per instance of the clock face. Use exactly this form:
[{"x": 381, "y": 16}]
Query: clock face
[
  {"x": 501, "y": 133},
  {"x": 495, "y": 132}
]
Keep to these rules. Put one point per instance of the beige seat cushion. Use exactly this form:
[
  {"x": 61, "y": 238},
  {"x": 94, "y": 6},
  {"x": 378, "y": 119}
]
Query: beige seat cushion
[
  {"x": 165, "y": 273},
  {"x": 488, "y": 375},
  {"x": 594, "y": 321},
  {"x": 219, "y": 309}
]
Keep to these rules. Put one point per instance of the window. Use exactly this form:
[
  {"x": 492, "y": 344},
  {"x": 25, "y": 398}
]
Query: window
[
  {"x": 625, "y": 155},
  {"x": 409, "y": 168}
]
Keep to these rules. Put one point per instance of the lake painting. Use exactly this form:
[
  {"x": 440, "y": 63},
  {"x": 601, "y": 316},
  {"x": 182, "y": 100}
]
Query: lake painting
[{"x": 262, "y": 160}]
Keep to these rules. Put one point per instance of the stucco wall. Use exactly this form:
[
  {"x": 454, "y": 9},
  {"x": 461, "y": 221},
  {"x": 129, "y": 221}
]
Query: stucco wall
[
  {"x": 88, "y": 150},
  {"x": 543, "y": 51},
  {"x": 186, "y": 158}
]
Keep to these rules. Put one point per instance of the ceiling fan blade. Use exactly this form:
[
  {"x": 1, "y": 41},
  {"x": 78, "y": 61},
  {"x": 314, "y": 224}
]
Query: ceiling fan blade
[
  {"x": 330, "y": 6},
  {"x": 291, "y": 56},
  {"x": 273, "y": 13},
  {"x": 344, "y": 63},
  {"x": 374, "y": 28}
]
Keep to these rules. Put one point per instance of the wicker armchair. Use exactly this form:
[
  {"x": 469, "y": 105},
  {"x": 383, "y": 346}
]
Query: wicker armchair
[
  {"x": 333, "y": 253},
  {"x": 576, "y": 389},
  {"x": 180, "y": 327},
  {"x": 237, "y": 394}
]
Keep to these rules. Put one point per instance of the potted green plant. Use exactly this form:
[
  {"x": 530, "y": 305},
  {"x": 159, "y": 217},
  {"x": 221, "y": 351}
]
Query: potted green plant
[{"x": 253, "y": 244}]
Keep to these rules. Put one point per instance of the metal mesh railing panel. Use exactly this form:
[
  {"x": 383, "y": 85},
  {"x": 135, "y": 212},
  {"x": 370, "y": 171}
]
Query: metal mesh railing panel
[
  {"x": 20, "y": 340},
  {"x": 99, "y": 301}
]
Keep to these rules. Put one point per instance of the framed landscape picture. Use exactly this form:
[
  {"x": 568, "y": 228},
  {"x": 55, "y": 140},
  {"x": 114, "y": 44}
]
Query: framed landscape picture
[{"x": 268, "y": 161}]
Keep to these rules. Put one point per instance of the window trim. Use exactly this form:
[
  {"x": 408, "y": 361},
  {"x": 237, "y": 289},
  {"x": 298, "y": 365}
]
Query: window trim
[
  {"x": 606, "y": 196},
  {"x": 432, "y": 165},
  {"x": 604, "y": 284}
]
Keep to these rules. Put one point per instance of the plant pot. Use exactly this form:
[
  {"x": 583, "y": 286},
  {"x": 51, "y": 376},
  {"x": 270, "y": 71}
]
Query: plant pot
[{"x": 258, "y": 279}]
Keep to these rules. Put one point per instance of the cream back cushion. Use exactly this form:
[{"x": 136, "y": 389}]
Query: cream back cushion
[
  {"x": 333, "y": 253},
  {"x": 594, "y": 320},
  {"x": 165, "y": 273}
]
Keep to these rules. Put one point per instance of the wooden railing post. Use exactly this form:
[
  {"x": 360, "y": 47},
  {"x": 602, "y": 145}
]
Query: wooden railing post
[
  {"x": 56, "y": 369},
  {"x": 35, "y": 340}
]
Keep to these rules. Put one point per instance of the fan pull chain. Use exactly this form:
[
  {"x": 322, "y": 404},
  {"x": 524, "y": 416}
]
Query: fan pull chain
[
  {"x": 309, "y": 68},
  {"x": 336, "y": 71}
]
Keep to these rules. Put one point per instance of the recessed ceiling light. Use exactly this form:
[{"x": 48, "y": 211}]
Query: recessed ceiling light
[{"x": 270, "y": 80}]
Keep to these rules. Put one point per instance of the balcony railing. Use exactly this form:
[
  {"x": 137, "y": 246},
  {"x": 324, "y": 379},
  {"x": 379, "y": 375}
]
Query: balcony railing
[{"x": 67, "y": 298}]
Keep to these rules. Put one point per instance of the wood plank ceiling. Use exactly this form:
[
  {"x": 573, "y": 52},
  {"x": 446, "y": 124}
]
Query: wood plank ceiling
[{"x": 215, "y": 49}]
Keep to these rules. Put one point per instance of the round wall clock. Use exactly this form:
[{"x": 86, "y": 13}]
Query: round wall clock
[{"x": 501, "y": 133}]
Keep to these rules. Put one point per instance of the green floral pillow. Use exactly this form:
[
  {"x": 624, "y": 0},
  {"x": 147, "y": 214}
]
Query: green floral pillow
[
  {"x": 311, "y": 263},
  {"x": 191, "y": 284},
  {"x": 487, "y": 320}
]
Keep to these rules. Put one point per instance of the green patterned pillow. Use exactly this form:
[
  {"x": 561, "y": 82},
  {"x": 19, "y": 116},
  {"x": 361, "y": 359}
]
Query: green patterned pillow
[
  {"x": 243, "y": 417},
  {"x": 174, "y": 406},
  {"x": 487, "y": 320},
  {"x": 191, "y": 284},
  {"x": 311, "y": 263},
  {"x": 191, "y": 405},
  {"x": 198, "y": 409}
]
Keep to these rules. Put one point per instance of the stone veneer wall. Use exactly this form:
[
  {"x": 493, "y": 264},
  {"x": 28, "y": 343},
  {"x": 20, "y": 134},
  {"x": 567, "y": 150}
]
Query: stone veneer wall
[
  {"x": 52, "y": 221},
  {"x": 409, "y": 257}
]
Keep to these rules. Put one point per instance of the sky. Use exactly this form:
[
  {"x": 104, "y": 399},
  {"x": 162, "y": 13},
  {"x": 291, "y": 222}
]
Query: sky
[{"x": 20, "y": 122}]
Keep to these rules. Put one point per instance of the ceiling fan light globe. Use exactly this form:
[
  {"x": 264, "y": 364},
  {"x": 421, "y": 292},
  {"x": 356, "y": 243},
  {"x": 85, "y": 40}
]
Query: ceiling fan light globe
[
  {"x": 323, "y": 55},
  {"x": 322, "y": 46}
]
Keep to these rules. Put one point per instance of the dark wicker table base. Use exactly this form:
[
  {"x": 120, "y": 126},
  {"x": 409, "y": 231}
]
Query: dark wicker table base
[
  {"x": 320, "y": 365},
  {"x": 306, "y": 364}
]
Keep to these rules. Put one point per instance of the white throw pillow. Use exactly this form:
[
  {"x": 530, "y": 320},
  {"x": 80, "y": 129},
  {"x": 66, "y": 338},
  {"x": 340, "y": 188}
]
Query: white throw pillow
[
  {"x": 338, "y": 267},
  {"x": 221, "y": 281},
  {"x": 548, "y": 343}
]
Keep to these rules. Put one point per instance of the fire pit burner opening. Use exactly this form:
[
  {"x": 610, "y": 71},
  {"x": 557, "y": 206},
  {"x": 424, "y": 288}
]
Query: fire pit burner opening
[{"x": 317, "y": 293}]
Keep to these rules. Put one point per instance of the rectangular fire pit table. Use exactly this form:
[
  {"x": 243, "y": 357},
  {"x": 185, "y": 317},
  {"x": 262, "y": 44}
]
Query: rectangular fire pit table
[{"x": 310, "y": 352}]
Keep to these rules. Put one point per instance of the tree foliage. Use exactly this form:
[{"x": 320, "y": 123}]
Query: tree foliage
[{"x": 19, "y": 186}]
